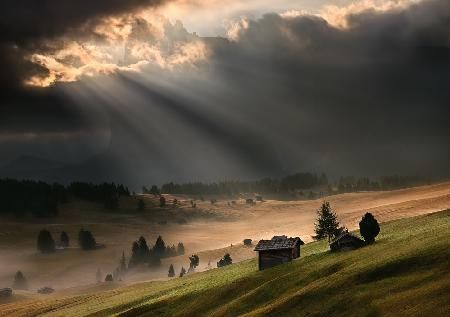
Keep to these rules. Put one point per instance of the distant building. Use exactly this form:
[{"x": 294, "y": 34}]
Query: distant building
[
  {"x": 278, "y": 250},
  {"x": 346, "y": 241},
  {"x": 247, "y": 242}
]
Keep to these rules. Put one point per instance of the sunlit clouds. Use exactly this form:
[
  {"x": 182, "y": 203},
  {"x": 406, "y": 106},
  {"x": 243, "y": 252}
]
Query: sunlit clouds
[
  {"x": 157, "y": 36},
  {"x": 119, "y": 44}
]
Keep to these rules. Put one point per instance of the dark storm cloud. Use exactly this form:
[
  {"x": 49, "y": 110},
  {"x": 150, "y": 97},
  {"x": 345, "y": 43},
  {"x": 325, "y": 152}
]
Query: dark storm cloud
[
  {"x": 293, "y": 94},
  {"x": 374, "y": 96}
]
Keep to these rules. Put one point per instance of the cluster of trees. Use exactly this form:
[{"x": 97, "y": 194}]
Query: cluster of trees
[
  {"x": 42, "y": 199},
  {"x": 142, "y": 253},
  {"x": 289, "y": 183},
  {"x": 46, "y": 243},
  {"x": 327, "y": 225}
]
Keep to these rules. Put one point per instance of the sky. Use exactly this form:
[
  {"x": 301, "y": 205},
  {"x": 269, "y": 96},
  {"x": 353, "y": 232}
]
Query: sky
[{"x": 149, "y": 91}]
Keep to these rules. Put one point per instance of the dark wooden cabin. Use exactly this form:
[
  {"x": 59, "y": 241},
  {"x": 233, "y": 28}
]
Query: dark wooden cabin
[
  {"x": 346, "y": 241},
  {"x": 278, "y": 250}
]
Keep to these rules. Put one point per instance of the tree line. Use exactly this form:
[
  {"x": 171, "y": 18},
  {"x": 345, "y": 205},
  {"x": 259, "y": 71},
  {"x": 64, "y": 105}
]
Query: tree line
[
  {"x": 264, "y": 185},
  {"x": 289, "y": 184},
  {"x": 19, "y": 197}
]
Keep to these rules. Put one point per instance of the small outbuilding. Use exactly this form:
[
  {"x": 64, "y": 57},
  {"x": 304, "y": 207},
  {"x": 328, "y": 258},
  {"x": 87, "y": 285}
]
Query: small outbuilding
[
  {"x": 346, "y": 241},
  {"x": 247, "y": 242},
  {"x": 278, "y": 250}
]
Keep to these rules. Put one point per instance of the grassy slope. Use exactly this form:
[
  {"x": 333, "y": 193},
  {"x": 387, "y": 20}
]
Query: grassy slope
[{"x": 406, "y": 273}]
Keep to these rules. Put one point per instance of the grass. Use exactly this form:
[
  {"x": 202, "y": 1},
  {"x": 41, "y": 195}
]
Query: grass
[{"x": 405, "y": 273}]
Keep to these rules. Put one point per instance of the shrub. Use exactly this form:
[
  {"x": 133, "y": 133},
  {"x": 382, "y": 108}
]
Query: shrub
[
  {"x": 226, "y": 260},
  {"x": 45, "y": 242}
]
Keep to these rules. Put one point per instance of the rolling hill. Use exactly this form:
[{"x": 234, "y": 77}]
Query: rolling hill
[{"x": 405, "y": 273}]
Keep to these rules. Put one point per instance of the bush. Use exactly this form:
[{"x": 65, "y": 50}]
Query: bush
[
  {"x": 369, "y": 227},
  {"x": 86, "y": 240},
  {"x": 45, "y": 242},
  {"x": 226, "y": 260},
  {"x": 19, "y": 281}
]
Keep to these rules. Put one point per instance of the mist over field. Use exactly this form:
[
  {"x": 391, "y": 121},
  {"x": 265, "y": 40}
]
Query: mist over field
[{"x": 158, "y": 155}]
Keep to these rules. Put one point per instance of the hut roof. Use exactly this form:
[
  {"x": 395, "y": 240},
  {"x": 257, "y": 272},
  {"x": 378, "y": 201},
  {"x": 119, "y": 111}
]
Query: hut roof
[{"x": 278, "y": 243}]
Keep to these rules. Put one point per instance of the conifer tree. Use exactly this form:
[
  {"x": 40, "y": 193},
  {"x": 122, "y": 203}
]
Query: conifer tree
[
  {"x": 183, "y": 271},
  {"x": 123, "y": 263},
  {"x": 327, "y": 225},
  {"x": 171, "y": 271}
]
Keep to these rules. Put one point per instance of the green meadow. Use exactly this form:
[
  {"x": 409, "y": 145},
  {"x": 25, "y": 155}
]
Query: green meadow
[{"x": 405, "y": 273}]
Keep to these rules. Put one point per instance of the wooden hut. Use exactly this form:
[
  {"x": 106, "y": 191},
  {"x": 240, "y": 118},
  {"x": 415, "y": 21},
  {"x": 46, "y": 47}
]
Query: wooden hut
[
  {"x": 346, "y": 241},
  {"x": 278, "y": 250}
]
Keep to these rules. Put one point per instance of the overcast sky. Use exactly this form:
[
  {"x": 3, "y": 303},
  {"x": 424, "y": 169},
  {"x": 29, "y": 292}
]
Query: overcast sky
[{"x": 150, "y": 91}]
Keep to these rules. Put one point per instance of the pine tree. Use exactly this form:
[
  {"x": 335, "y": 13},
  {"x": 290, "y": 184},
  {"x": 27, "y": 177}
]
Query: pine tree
[
  {"x": 64, "y": 239},
  {"x": 123, "y": 263},
  {"x": 327, "y": 225},
  {"x": 180, "y": 248},
  {"x": 45, "y": 242},
  {"x": 159, "y": 249},
  {"x": 183, "y": 271},
  {"x": 171, "y": 271},
  {"x": 369, "y": 227}
]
